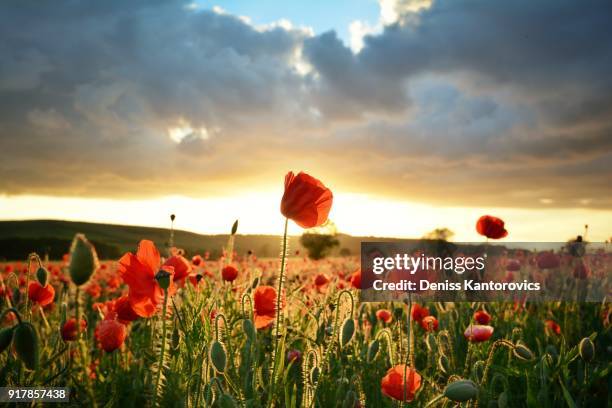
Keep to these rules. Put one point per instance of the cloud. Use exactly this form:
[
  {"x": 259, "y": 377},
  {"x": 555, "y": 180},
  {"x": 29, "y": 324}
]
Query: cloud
[{"x": 488, "y": 103}]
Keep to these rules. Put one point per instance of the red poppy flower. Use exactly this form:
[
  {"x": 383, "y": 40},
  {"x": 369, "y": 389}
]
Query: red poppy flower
[
  {"x": 294, "y": 355},
  {"x": 356, "y": 279},
  {"x": 124, "y": 311},
  {"x": 69, "y": 329},
  {"x": 181, "y": 267},
  {"x": 43, "y": 295},
  {"x": 553, "y": 327},
  {"x": 512, "y": 265},
  {"x": 482, "y": 317},
  {"x": 395, "y": 385},
  {"x": 384, "y": 315},
  {"x": 110, "y": 335},
  {"x": 196, "y": 260},
  {"x": 477, "y": 333},
  {"x": 582, "y": 270},
  {"x": 491, "y": 227},
  {"x": 429, "y": 323},
  {"x": 321, "y": 280},
  {"x": 548, "y": 260},
  {"x": 229, "y": 273},
  {"x": 138, "y": 272},
  {"x": 306, "y": 200},
  {"x": 264, "y": 298},
  {"x": 419, "y": 312}
]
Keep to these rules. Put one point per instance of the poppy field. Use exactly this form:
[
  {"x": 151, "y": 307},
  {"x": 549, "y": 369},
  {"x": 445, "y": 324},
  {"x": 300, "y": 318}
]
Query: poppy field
[{"x": 160, "y": 327}]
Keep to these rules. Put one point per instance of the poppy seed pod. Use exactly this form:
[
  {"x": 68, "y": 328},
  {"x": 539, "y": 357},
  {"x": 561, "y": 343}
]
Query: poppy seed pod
[
  {"x": 83, "y": 260},
  {"x": 586, "y": 348},
  {"x": 348, "y": 330},
  {"x": 314, "y": 375},
  {"x": 249, "y": 329},
  {"x": 163, "y": 279},
  {"x": 522, "y": 352},
  {"x": 26, "y": 345},
  {"x": 373, "y": 350},
  {"x": 461, "y": 391},
  {"x": 42, "y": 275},
  {"x": 6, "y": 336},
  {"x": 218, "y": 356}
]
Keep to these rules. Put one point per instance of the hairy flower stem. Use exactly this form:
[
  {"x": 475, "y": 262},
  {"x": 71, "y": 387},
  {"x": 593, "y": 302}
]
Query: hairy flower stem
[
  {"x": 279, "y": 292},
  {"x": 163, "y": 347},
  {"x": 410, "y": 354},
  {"x": 495, "y": 345}
]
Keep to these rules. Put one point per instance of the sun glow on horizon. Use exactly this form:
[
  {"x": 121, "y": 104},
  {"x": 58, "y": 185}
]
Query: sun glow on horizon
[{"x": 354, "y": 214}]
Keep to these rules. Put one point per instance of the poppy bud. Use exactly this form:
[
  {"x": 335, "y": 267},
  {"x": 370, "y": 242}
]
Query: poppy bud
[
  {"x": 83, "y": 260},
  {"x": 255, "y": 283},
  {"x": 443, "y": 363},
  {"x": 235, "y": 227},
  {"x": 373, "y": 350},
  {"x": 249, "y": 329},
  {"x": 163, "y": 279},
  {"x": 6, "y": 336},
  {"x": 314, "y": 375},
  {"x": 522, "y": 352},
  {"x": 348, "y": 330},
  {"x": 172, "y": 217},
  {"x": 461, "y": 390},
  {"x": 586, "y": 348},
  {"x": 42, "y": 276},
  {"x": 26, "y": 345},
  {"x": 218, "y": 356}
]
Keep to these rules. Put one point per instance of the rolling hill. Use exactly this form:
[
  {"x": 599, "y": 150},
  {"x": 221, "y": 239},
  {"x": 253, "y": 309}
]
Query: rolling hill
[{"x": 53, "y": 237}]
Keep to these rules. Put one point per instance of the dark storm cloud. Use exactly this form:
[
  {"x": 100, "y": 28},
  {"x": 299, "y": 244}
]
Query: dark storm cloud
[{"x": 446, "y": 105}]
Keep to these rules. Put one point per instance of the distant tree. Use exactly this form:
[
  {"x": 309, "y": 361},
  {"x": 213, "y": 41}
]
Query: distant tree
[
  {"x": 320, "y": 241},
  {"x": 345, "y": 252},
  {"x": 442, "y": 234}
]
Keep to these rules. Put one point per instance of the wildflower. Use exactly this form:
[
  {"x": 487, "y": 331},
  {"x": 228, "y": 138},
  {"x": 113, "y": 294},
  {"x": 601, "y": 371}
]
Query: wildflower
[
  {"x": 482, "y": 317},
  {"x": 264, "y": 299},
  {"x": 491, "y": 227},
  {"x": 124, "y": 311},
  {"x": 69, "y": 329},
  {"x": 397, "y": 385},
  {"x": 477, "y": 333},
  {"x": 294, "y": 355},
  {"x": 384, "y": 315},
  {"x": 429, "y": 323},
  {"x": 43, "y": 295},
  {"x": 181, "y": 267},
  {"x": 552, "y": 326},
  {"x": 356, "y": 279},
  {"x": 197, "y": 260},
  {"x": 306, "y": 200},
  {"x": 229, "y": 273},
  {"x": 321, "y": 280},
  {"x": 139, "y": 273},
  {"x": 419, "y": 312},
  {"x": 110, "y": 335},
  {"x": 547, "y": 260}
]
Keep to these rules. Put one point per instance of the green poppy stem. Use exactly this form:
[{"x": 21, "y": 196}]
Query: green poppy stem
[
  {"x": 163, "y": 348},
  {"x": 279, "y": 292}
]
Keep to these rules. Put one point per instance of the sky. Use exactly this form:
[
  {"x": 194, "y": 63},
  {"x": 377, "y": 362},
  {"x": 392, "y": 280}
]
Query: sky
[{"x": 417, "y": 114}]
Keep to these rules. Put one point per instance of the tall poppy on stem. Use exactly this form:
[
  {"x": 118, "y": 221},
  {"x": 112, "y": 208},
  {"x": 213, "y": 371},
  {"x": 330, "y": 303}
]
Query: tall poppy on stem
[
  {"x": 491, "y": 227},
  {"x": 307, "y": 202}
]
